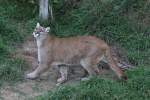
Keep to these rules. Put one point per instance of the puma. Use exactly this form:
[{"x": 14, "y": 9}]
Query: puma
[{"x": 86, "y": 51}]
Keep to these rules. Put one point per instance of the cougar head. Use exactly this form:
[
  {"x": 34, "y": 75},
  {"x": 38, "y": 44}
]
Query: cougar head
[{"x": 40, "y": 32}]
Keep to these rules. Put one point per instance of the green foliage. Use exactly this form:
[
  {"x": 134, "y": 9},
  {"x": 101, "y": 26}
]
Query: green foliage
[
  {"x": 8, "y": 31},
  {"x": 3, "y": 50},
  {"x": 12, "y": 70},
  {"x": 121, "y": 21},
  {"x": 18, "y": 9},
  {"x": 12, "y": 33}
]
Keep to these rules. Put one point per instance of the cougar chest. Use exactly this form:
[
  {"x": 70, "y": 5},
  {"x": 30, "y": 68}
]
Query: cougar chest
[
  {"x": 39, "y": 43},
  {"x": 41, "y": 52}
]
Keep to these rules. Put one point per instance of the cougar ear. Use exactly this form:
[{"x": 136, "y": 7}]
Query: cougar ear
[
  {"x": 38, "y": 25},
  {"x": 47, "y": 29}
]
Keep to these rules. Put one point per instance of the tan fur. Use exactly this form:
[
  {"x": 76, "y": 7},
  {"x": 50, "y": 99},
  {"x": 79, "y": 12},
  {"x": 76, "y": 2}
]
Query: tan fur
[{"x": 84, "y": 50}]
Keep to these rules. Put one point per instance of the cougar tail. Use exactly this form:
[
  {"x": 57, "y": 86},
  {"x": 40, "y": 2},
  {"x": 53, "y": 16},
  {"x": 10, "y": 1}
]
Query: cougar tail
[
  {"x": 124, "y": 65},
  {"x": 113, "y": 65}
]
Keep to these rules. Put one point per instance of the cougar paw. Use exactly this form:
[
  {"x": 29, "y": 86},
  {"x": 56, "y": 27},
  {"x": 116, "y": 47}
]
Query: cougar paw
[
  {"x": 124, "y": 78},
  {"x": 31, "y": 75},
  {"x": 60, "y": 81},
  {"x": 58, "y": 84},
  {"x": 85, "y": 79}
]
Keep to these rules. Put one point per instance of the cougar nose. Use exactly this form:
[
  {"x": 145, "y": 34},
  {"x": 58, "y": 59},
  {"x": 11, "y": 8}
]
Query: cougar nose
[{"x": 33, "y": 33}]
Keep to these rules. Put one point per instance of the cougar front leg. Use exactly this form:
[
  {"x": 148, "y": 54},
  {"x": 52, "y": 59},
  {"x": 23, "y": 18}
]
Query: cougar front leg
[
  {"x": 64, "y": 74},
  {"x": 36, "y": 73}
]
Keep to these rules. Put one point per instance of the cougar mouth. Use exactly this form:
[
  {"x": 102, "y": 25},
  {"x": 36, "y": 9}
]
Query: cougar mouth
[{"x": 36, "y": 34}]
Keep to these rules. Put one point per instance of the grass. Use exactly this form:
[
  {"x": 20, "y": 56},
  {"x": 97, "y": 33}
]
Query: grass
[
  {"x": 116, "y": 21},
  {"x": 12, "y": 70},
  {"x": 137, "y": 87},
  {"x": 12, "y": 33}
]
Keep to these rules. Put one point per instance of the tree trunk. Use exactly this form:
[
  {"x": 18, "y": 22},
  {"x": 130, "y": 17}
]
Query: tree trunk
[{"x": 43, "y": 10}]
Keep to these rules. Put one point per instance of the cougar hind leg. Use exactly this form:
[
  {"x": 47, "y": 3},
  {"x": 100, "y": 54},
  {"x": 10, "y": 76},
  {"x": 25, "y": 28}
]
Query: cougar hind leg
[
  {"x": 95, "y": 64},
  {"x": 87, "y": 65},
  {"x": 63, "y": 74}
]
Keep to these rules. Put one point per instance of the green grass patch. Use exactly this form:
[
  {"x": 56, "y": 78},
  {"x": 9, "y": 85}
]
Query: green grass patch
[
  {"x": 137, "y": 87},
  {"x": 115, "y": 21},
  {"x": 15, "y": 24},
  {"x": 12, "y": 70}
]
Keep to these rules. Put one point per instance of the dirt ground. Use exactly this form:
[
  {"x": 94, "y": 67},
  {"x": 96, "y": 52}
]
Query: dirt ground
[{"x": 29, "y": 89}]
